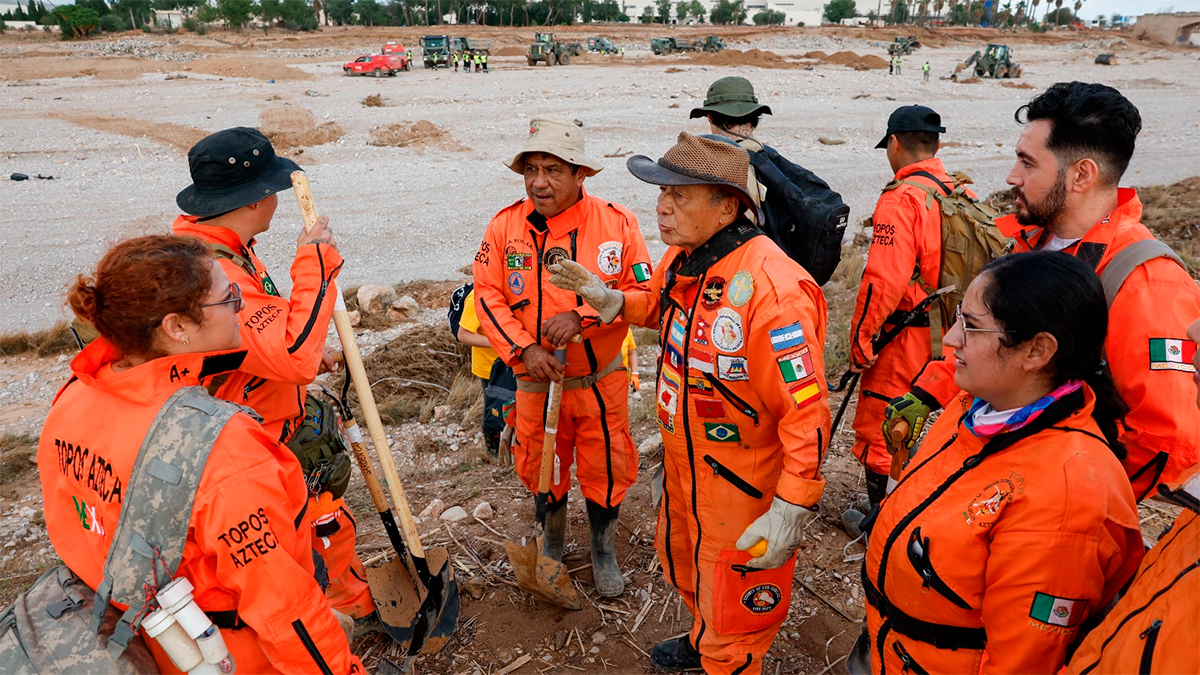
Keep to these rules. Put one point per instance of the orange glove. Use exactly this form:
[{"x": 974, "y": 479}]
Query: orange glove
[{"x": 634, "y": 382}]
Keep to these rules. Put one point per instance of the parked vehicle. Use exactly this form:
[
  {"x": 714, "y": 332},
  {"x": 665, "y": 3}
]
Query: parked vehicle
[
  {"x": 546, "y": 48},
  {"x": 435, "y": 50},
  {"x": 472, "y": 45},
  {"x": 671, "y": 45},
  {"x": 398, "y": 50},
  {"x": 376, "y": 64},
  {"x": 602, "y": 45}
]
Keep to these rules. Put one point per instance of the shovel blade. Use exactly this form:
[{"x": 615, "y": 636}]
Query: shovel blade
[
  {"x": 397, "y": 598},
  {"x": 442, "y": 612},
  {"x": 542, "y": 577}
]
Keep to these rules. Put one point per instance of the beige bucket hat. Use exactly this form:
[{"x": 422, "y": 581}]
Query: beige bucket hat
[{"x": 557, "y": 137}]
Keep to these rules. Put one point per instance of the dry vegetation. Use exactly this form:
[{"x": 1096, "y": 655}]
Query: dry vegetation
[
  {"x": 56, "y": 340},
  {"x": 418, "y": 371},
  {"x": 16, "y": 456}
]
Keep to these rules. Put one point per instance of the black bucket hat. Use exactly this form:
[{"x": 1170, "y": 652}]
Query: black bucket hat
[
  {"x": 231, "y": 169},
  {"x": 731, "y": 96},
  {"x": 912, "y": 118},
  {"x": 701, "y": 160}
]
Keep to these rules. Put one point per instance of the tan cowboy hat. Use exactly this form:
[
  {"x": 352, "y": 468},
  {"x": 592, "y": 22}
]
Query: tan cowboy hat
[
  {"x": 556, "y": 137},
  {"x": 702, "y": 160}
]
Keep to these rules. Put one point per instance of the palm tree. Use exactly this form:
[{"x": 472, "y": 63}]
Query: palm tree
[
  {"x": 937, "y": 7},
  {"x": 1033, "y": 10},
  {"x": 1057, "y": 6},
  {"x": 1020, "y": 16}
]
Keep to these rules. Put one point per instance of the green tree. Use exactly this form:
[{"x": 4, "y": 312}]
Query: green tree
[
  {"x": 295, "y": 12},
  {"x": 370, "y": 13},
  {"x": 726, "y": 12},
  {"x": 77, "y": 22},
  {"x": 647, "y": 14},
  {"x": 769, "y": 17},
  {"x": 837, "y": 10},
  {"x": 268, "y": 12},
  {"x": 663, "y": 10},
  {"x": 98, "y": 6},
  {"x": 236, "y": 13},
  {"x": 340, "y": 12}
]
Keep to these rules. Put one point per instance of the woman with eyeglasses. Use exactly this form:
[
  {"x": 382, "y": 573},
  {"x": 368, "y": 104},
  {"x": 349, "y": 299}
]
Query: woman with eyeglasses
[
  {"x": 167, "y": 316},
  {"x": 1015, "y": 522}
]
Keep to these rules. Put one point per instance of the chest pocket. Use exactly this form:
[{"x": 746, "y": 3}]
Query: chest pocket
[{"x": 918, "y": 555}]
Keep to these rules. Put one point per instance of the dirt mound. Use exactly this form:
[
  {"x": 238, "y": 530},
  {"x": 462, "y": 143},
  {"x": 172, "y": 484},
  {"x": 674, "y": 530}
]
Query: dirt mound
[
  {"x": 250, "y": 68},
  {"x": 1016, "y": 85},
  {"x": 176, "y": 135},
  {"x": 420, "y": 136},
  {"x": 818, "y": 55},
  {"x": 855, "y": 61},
  {"x": 509, "y": 51},
  {"x": 734, "y": 57},
  {"x": 373, "y": 101},
  {"x": 969, "y": 80},
  {"x": 290, "y": 128}
]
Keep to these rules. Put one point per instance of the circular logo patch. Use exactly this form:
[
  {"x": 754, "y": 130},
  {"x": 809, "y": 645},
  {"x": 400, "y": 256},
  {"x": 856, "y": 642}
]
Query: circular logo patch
[
  {"x": 710, "y": 295},
  {"x": 762, "y": 598},
  {"x": 985, "y": 508},
  {"x": 516, "y": 283},
  {"x": 727, "y": 330},
  {"x": 741, "y": 288},
  {"x": 609, "y": 259},
  {"x": 554, "y": 255}
]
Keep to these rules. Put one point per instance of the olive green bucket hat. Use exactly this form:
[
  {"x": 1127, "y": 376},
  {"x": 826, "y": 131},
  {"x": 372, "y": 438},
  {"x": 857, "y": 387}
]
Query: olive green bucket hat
[{"x": 732, "y": 97}]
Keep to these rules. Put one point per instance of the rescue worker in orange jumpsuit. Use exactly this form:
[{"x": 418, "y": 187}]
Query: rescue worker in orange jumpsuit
[
  {"x": 167, "y": 316},
  {"x": 236, "y": 175},
  {"x": 1153, "y": 629},
  {"x": 742, "y": 403},
  {"x": 1077, "y": 142},
  {"x": 1015, "y": 523},
  {"x": 525, "y": 318},
  {"x": 902, "y": 267}
]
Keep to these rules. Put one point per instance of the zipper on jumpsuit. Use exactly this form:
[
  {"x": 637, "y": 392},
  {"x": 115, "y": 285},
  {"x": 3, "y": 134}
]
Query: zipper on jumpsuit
[{"x": 1150, "y": 635}]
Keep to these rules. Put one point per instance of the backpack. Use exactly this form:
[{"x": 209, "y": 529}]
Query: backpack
[
  {"x": 458, "y": 301},
  {"x": 970, "y": 240},
  {"x": 501, "y": 388},
  {"x": 803, "y": 215},
  {"x": 59, "y": 625},
  {"x": 1130, "y": 258}
]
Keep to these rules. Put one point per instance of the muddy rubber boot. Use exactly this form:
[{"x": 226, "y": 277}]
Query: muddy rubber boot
[
  {"x": 555, "y": 534},
  {"x": 605, "y": 571},
  {"x": 675, "y": 655}
]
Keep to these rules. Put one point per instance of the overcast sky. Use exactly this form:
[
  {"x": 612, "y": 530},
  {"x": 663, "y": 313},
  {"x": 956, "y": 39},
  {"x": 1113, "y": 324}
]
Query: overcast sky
[{"x": 1093, "y": 8}]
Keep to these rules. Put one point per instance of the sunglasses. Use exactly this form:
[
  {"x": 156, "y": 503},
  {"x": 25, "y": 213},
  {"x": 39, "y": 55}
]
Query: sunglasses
[{"x": 234, "y": 298}]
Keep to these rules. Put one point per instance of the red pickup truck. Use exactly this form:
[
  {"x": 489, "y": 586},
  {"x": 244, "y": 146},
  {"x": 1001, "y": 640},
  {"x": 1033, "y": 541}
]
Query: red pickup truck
[{"x": 377, "y": 65}]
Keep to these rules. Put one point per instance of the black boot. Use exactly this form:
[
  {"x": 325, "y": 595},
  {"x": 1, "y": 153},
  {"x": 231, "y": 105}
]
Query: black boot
[
  {"x": 555, "y": 535},
  {"x": 605, "y": 571},
  {"x": 675, "y": 655},
  {"x": 876, "y": 487}
]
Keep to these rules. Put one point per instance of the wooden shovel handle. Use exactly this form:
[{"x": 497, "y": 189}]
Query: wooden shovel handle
[
  {"x": 362, "y": 386},
  {"x": 551, "y": 436},
  {"x": 900, "y": 458}
]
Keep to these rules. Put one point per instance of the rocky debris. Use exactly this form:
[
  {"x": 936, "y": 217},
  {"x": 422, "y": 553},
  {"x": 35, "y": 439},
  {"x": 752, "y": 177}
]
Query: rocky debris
[
  {"x": 599, "y": 638},
  {"x": 403, "y": 308},
  {"x": 651, "y": 446},
  {"x": 355, "y": 317},
  {"x": 434, "y": 510},
  {"x": 474, "y": 587},
  {"x": 374, "y": 300},
  {"x": 454, "y": 514},
  {"x": 483, "y": 511},
  {"x": 136, "y": 48}
]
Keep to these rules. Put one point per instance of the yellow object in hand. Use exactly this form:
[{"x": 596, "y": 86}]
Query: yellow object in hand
[{"x": 758, "y": 550}]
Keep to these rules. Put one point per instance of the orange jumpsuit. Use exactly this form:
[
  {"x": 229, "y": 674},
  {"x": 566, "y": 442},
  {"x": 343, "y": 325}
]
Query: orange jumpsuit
[
  {"x": 285, "y": 340},
  {"x": 744, "y": 414},
  {"x": 513, "y": 298},
  {"x": 1154, "y": 627},
  {"x": 1157, "y": 303},
  {"x": 248, "y": 548},
  {"x": 907, "y": 237},
  {"x": 989, "y": 554}
]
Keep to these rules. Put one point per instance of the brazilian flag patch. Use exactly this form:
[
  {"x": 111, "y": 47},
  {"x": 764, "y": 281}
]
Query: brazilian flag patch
[{"x": 721, "y": 432}]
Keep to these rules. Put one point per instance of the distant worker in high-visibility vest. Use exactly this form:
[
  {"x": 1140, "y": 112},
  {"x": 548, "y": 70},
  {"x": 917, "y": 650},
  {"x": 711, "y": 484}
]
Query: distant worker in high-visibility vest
[{"x": 925, "y": 71}]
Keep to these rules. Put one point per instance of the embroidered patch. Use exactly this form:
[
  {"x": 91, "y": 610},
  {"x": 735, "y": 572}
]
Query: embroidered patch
[
  {"x": 741, "y": 288},
  {"x": 702, "y": 361},
  {"x": 671, "y": 377},
  {"x": 732, "y": 368},
  {"x": 710, "y": 295},
  {"x": 986, "y": 506},
  {"x": 672, "y": 356},
  {"x": 762, "y": 598},
  {"x": 641, "y": 272},
  {"x": 267, "y": 284},
  {"x": 707, "y": 407},
  {"x": 787, "y": 337},
  {"x": 88, "y": 518},
  {"x": 519, "y": 261},
  {"x": 678, "y": 333},
  {"x": 668, "y": 395},
  {"x": 1057, "y": 611},
  {"x": 727, "y": 330},
  {"x": 700, "y": 335},
  {"x": 805, "y": 393},
  {"x": 609, "y": 259},
  {"x": 516, "y": 283},
  {"x": 666, "y": 420},
  {"x": 700, "y": 385},
  {"x": 795, "y": 365},
  {"x": 721, "y": 432},
  {"x": 1172, "y": 354},
  {"x": 554, "y": 255}
]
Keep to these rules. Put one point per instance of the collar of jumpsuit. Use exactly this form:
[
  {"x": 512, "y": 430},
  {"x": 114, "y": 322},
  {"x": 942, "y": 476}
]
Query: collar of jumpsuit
[
  {"x": 932, "y": 165},
  {"x": 565, "y": 222},
  {"x": 189, "y": 225},
  {"x": 154, "y": 380},
  {"x": 1128, "y": 212}
]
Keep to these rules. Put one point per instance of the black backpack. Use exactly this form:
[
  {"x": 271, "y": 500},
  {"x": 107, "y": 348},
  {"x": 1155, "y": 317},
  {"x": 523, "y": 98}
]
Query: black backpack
[
  {"x": 457, "y": 303},
  {"x": 803, "y": 215}
]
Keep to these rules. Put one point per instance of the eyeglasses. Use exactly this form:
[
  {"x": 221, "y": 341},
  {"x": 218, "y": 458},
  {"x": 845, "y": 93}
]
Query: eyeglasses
[
  {"x": 958, "y": 317},
  {"x": 234, "y": 298}
]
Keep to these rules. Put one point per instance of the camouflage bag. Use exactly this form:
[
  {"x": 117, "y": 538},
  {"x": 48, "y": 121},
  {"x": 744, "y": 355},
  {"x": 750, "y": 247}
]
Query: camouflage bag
[
  {"x": 60, "y": 625},
  {"x": 319, "y": 446}
]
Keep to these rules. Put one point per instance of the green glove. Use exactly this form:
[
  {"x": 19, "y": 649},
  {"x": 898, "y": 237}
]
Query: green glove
[{"x": 913, "y": 408}]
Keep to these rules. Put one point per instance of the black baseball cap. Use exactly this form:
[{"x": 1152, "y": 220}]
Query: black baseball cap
[
  {"x": 912, "y": 118},
  {"x": 233, "y": 168}
]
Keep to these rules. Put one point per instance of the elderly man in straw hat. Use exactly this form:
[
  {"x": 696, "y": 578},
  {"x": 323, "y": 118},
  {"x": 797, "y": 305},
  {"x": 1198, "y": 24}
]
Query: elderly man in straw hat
[
  {"x": 525, "y": 319},
  {"x": 742, "y": 402}
]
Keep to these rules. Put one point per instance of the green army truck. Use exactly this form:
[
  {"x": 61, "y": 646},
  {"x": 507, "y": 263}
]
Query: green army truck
[{"x": 435, "y": 51}]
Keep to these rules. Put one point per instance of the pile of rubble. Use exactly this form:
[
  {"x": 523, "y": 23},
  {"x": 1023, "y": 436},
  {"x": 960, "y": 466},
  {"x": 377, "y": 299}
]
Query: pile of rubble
[{"x": 136, "y": 48}]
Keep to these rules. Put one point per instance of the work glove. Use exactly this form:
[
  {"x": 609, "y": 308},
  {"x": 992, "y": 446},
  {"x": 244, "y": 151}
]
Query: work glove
[
  {"x": 635, "y": 382},
  {"x": 571, "y": 276},
  {"x": 780, "y": 526},
  {"x": 913, "y": 408}
]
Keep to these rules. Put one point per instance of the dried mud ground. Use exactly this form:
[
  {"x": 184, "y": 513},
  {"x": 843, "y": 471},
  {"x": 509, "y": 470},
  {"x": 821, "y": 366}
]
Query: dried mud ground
[{"x": 409, "y": 169}]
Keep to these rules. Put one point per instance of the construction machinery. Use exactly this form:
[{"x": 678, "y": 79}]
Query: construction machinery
[
  {"x": 995, "y": 61},
  {"x": 546, "y": 48},
  {"x": 435, "y": 50},
  {"x": 472, "y": 45},
  {"x": 711, "y": 43},
  {"x": 671, "y": 45},
  {"x": 903, "y": 46},
  {"x": 602, "y": 45}
]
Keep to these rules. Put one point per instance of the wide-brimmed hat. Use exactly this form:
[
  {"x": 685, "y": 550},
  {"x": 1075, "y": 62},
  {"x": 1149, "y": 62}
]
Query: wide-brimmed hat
[
  {"x": 556, "y": 137},
  {"x": 701, "y": 160},
  {"x": 233, "y": 168},
  {"x": 730, "y": 96},
  {"x": 912, "y": 118}
]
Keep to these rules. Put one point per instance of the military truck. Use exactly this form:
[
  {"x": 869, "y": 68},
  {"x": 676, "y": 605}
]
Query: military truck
[
  {"x": 435, "y": 50},
  {"x": 546, "y": 48},
  {"x": 472, "y": 45},
  {"x": 671, "y": 45},
  {"x": 903, "y": 46},
  {"x": 995, "y": 61},
  {"x": 712, "y": 43},
  {"x": 602, "y": 45}
]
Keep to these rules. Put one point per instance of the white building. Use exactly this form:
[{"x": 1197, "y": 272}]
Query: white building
[{"x": 807, "y": 11}]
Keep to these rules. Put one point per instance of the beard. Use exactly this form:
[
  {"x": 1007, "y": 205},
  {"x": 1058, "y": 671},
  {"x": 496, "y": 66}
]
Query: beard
[{"x": 1047, "y": 211}]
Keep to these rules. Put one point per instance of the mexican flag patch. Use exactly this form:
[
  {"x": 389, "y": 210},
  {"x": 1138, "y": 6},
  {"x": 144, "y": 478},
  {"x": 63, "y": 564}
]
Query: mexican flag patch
[
  {"x": 1172, "y": 354},
  {"x": 641, "y": 272},
  {"x": 1057, "y": 611}
]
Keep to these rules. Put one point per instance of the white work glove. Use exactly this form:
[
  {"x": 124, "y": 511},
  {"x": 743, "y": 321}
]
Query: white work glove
[
  {"x": 571, "y": 276},
  {"x": 780, "y": 526}
]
